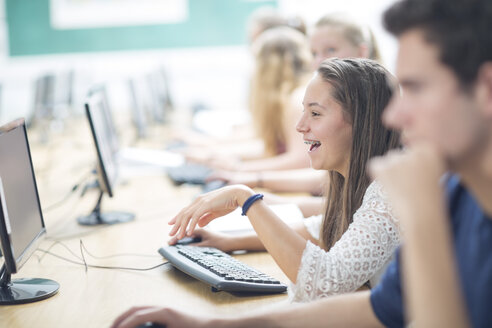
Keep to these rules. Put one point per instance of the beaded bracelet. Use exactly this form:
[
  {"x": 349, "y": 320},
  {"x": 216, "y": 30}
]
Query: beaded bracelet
[{"x": 247, "y": 204}]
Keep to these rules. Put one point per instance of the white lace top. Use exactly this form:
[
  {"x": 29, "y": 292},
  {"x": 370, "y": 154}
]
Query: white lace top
[{"x": 361, "y": 254}]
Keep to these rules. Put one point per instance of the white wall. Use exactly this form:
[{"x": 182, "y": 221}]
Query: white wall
[{"x": 214, "y": 76}]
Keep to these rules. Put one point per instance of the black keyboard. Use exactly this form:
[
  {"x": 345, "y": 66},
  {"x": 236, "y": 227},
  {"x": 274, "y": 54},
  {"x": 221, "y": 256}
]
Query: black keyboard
[{"x": 220, "y": 270}]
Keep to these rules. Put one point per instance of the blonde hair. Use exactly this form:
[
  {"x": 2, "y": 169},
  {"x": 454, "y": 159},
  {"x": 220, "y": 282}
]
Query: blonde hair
[
  {"x": 354, "y": 32},
  {"x": 282, "y": 60}
]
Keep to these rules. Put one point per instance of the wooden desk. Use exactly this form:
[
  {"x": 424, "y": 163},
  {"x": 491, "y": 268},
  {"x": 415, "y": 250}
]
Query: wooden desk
[{"x": 94, "y": 298}]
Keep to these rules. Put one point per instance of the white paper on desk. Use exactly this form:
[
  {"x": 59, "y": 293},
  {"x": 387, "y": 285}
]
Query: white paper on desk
[
  {"x": 129, "y": 170},
  {"x": 235, "y": 222},
  {"x": 151, "y": 157},
  {"x": 220, "y": 122}
]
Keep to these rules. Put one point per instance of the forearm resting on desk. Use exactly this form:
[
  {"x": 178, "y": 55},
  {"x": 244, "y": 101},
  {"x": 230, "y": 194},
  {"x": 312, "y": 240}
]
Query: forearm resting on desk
[{"x": 348, "y": 310}]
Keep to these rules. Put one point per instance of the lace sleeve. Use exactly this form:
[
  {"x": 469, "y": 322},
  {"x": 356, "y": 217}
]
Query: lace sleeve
[{"x": 362, "y": 251}]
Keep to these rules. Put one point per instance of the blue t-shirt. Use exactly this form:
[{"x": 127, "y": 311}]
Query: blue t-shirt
[{"x": 472, "y": 231}]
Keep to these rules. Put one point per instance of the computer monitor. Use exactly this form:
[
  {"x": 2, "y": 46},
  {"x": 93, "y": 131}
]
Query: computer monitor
[
  {"x": 21, "y": 220},
  {"x": 138, "y": 108},
  {"x": 110, "y": 130},
  {"x": 161, "y": 102},
  {"x": 106, "y": 166}
]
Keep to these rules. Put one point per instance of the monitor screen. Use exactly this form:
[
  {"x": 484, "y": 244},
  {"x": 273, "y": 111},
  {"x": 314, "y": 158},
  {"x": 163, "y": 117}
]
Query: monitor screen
[
  {"x": 20, "y": 194},
  {"x": 107, "y": 168},
  {"x": 111, "y": 134},
  {"x": 138, "y": 107},
  {"x": 161, "y": 101},
  {"x": 21, "y": 220}
]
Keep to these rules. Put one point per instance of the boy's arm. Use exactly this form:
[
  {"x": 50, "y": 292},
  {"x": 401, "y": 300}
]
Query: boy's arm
[
  {"x": 347, "y": 310},
  {"x": 433, "y": 292}
]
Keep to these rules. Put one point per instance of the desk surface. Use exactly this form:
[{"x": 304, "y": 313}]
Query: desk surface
[{"x": 93, "y": 298}]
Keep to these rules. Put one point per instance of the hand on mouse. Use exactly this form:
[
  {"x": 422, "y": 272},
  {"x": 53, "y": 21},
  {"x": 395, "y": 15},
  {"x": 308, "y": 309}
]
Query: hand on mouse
[
  {"x": 208, "y": 238},
  {"x": 185, "y": 241}
]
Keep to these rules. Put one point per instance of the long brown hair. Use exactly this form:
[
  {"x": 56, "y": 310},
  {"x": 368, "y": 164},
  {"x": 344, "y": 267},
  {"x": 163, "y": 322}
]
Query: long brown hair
[
  {"x": 282, "y": 60},
  {"x": 362, "y": 89}
]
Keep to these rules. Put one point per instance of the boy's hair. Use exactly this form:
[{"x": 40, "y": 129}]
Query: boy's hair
[{"x": 461, "y": 29}]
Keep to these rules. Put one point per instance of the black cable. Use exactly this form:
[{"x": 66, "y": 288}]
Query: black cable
[
  {"x": 67, "y": 196},
  {"x": 92, "y": 185},
  {"x": 84, "y": 262},
  {"x": 58, "y": 242},
  {"x": 114, "y": 255},
  {"x": 53, "y": 245},
  {"x": 100, "y": 266},
  {"x": 61, "y": 201},
  {"x": 83, "y": 257}
]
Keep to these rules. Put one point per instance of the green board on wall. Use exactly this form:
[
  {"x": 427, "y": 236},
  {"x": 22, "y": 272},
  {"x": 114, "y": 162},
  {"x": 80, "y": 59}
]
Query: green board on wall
[{"x": 210, "y": 23}]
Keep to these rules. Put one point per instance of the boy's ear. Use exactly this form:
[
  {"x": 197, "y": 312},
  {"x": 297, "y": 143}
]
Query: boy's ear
[{"x": 484, "y": 88}]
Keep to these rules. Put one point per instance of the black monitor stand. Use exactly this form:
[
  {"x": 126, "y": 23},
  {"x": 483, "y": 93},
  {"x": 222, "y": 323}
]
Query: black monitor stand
[
  {"x": 24, "y": 290},
  {"x": 97, "y": 218}
]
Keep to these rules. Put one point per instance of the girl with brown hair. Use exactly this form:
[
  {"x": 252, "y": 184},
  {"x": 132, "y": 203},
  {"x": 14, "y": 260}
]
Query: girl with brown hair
[
  {"x": 354, "y": 240},
  {"x": 333, "y": 35}
]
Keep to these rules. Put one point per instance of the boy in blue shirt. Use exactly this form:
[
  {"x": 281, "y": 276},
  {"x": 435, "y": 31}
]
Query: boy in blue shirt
[
  {"x": 445, "y": 112},
  {"x": 444, "y": 68}
]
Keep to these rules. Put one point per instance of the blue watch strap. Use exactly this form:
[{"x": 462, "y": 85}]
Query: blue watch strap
[{"x": 247, "y": 204}]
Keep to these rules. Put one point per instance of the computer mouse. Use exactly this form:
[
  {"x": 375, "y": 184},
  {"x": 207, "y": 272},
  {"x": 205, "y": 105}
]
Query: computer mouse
[
  {"x": 151, "y": 325},
  {"x": 212, "y": 185},
  {"x": 189, "y": 240}
]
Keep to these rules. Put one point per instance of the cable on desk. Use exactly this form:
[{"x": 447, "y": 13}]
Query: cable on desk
[
  {"x": 78, "y": 234},
  {"x": 82, "y": 245},
  {"x": 57, "y": 242},
  {"x": 74, "y": 188},
  {"x": 53, "y": 245},
  {"x": 100, "y": 266},
  {"x": 84, "y": 262}
]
